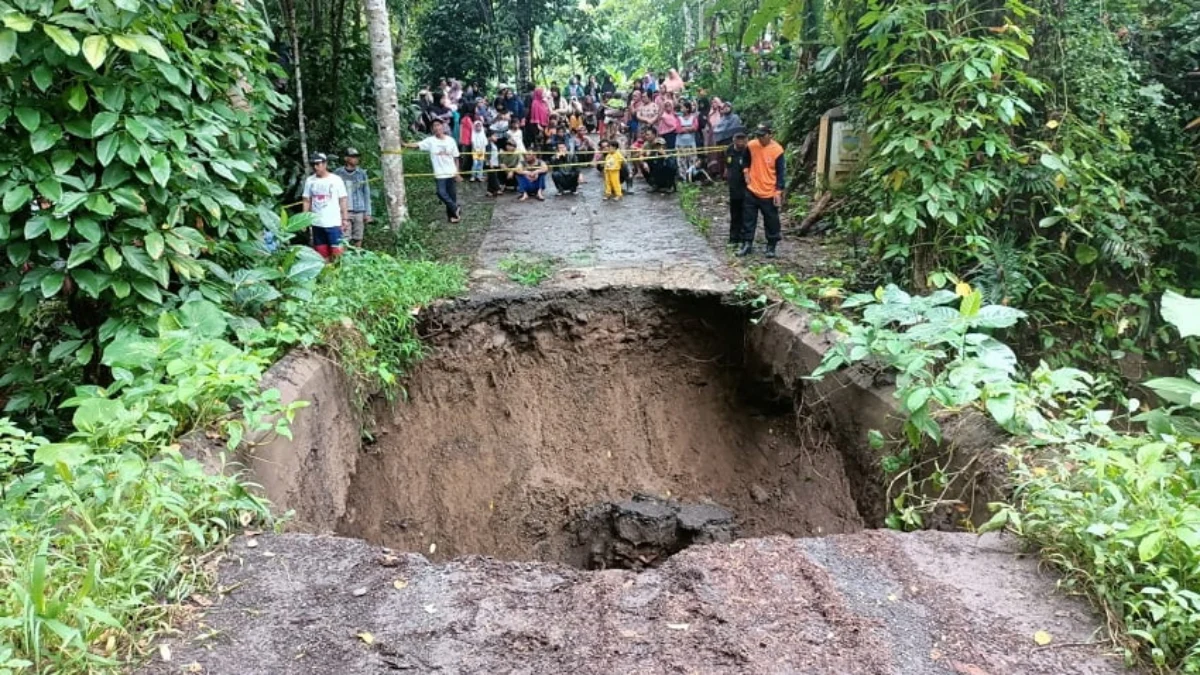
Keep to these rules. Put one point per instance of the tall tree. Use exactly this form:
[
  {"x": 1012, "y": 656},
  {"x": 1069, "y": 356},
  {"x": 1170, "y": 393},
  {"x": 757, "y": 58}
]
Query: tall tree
[
  {"x": 289, "y": 11},
  {"x": 387, "y": 113}
]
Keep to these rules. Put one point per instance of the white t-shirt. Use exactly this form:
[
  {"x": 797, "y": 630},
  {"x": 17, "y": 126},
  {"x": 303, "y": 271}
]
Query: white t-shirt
[
  {"x": 325, "y": 194},
  {"x": 443, "y": 153}
]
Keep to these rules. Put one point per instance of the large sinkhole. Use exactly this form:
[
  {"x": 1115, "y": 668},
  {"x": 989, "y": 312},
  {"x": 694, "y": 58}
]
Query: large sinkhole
[{"x": 597, "y": 430}]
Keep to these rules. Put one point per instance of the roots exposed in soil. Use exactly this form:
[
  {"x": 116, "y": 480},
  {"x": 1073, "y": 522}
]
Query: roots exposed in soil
[{"x": 531, "y": 414}]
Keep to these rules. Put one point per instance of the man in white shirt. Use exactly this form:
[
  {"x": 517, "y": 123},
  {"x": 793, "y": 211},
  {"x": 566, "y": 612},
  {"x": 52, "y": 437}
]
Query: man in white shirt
[
  {"x": 325, "y": 197},
  {"x": 443, "y": 154}
]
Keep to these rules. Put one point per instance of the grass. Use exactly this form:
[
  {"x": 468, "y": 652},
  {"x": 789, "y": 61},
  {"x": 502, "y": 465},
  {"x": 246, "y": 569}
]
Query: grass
[
  {"x": 364, "y": 313},
  {"x": 427, "y": 235},
  {"x": 689, "y": 201},
  {"x": 527, "y": 269}
]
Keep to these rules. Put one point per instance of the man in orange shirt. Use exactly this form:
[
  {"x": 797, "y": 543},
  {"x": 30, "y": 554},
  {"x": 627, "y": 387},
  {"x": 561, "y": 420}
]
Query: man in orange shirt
[{"x": 764, "y": 190}]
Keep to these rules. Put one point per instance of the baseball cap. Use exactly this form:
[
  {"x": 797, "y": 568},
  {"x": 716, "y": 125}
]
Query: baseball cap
[
  {"x": 352, "y": 152},
  {"x": 317, "y": 158},
  {"x": 764, "y": 128},
  {"x": 660, "y": 141}
]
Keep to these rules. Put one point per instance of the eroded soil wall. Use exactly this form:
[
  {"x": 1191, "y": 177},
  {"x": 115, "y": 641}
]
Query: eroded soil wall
[{"x": 531, "y": 409}]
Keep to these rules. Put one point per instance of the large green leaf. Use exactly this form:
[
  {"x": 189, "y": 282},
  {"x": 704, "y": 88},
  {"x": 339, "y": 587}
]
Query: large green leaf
[
  {"x": 148, "y": 290},
  {"x": 89, "y": 229},
  {"x": 8, "y": 45},
  {"x": 137, "y": 128},
  {"x": 18, "y": 22},
  {"x": 17, "y": 198},
  {"x": 103, "y": 123},
  {"x": 160, "y": 168},
  {"x": 50, "y": 189},
  {"x": 112, "y": 258},
  {"x": 29, "y": 118},
  {"x": 62, "y": 38},
  {"x": 45, "y": 138},
  {"x": 203, "y": 318},
  {"x": 1179, "y": 311},
  {"x": 106, "y": 149},
  {"x": 154, "y": 245},
  {"x": 52, "y": 283},
  {"x": 95, "y": 48},
  {"x": 92, "y": 283},
  {"x": 81, "y": 253},
  {"x": 77, "y": 97},
  {"x": 150, "y": 45}
]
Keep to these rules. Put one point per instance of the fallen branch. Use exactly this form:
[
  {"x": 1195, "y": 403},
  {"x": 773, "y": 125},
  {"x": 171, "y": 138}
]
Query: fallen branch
[{"x": 818, "y": 209}]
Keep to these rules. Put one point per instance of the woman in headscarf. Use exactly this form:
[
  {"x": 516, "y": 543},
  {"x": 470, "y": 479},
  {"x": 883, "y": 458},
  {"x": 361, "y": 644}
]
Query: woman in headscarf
[
  {"x": 726, "y": 128},
  {"x": 539, "y": 118},
  {"x": 632, "y": 122},
  {"x": 716, "y": 158},
  {"x": 668, "y": 124},
  {"x": 455, "y": 93},
  {"x": 539, "y": 112},
  {"x": 674, "y": 84}
]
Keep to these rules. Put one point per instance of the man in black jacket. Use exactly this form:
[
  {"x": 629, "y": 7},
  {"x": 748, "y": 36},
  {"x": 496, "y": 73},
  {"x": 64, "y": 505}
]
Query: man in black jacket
[{"x": 737, "y": 160}]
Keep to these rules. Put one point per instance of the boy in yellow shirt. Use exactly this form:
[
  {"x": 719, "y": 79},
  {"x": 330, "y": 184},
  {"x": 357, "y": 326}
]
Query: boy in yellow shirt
[{"x": 613, "y": 161}]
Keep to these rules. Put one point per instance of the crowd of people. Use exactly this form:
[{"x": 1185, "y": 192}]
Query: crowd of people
[{"x": 655, "y": 130}]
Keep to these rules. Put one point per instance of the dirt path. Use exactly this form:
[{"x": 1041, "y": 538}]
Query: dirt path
[
  {"x": 876, "y": 603},
  {"x": 642, "y": 240}
]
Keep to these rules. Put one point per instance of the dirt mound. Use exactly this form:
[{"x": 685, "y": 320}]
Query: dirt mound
[
  {"x": 526, "y": 414},
  {"x": 875, "y": 603}
]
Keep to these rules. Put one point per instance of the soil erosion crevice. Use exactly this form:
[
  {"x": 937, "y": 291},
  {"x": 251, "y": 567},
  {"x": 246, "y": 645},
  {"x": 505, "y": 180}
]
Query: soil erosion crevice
[{"x": 529, "y": 412}]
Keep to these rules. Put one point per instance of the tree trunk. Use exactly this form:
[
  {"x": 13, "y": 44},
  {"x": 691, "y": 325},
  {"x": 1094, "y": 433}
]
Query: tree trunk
[
  {"x": 289, "y": 8},
  {"x": 387, "y": 110},
  {"x": 687, "y": 28},
  {"x": 335, "y": 39},
  {"x": 525, "y": 59}
]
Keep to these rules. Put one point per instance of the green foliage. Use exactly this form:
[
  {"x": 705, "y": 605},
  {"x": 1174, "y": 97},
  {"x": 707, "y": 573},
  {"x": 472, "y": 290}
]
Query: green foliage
[
  {"x": 1113, "y": 505},
  {"x": 135, "y": 175},
  {"x": 942, "y": 100},
  {"x": 527, "y": 270},
  {"x": 101, "y": 530},
  {"x": 689, "y": 201},
  {"x": 364, "y": 312},
  {"x": 97, "y": 548}
]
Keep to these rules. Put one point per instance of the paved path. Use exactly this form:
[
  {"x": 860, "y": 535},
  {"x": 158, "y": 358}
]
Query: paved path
[{"x": 642, "y": 240}]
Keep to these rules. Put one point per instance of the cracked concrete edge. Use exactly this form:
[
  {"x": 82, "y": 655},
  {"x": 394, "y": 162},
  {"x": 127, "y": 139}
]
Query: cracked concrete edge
[{"x": 784, "y": 346}]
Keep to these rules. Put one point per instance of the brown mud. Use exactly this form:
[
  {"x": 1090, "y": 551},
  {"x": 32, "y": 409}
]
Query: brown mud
[
  {"x": 513, "y": 427},
  {"x": 873, "y": 603}
]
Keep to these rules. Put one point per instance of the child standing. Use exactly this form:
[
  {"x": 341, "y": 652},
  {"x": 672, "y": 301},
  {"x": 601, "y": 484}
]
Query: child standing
[
  {"x": 495, "y": 181},
  {"x": 479, "y": 144},
  {"x": 613, "y": 161}
]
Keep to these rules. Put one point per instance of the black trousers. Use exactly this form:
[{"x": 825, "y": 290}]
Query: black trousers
[
  {"x": 737, "y": 216},
  {"x": 565, "y": 180},
  {"x": 495, "y": 181},
  {"x": 447, "y": 191},
  {"x": 770, "y": 214}
]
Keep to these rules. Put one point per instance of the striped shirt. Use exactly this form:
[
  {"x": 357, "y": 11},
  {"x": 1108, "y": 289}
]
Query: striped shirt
[{"x": 358, "y": 189}]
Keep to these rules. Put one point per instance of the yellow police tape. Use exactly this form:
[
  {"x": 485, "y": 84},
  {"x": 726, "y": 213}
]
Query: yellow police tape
[{"x": 679, "y": 153}]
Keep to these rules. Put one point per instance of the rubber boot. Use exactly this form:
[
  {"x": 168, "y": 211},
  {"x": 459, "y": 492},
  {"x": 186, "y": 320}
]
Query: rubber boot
[
  {"x": 746, "y": 249},
  {"x": 770, "y": 249}
]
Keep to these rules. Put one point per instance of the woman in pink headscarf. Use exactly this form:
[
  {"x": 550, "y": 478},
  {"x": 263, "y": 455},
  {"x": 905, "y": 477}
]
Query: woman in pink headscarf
[
  {"x": 674, "y": 84},
  {"x": 539, "y": 112}
]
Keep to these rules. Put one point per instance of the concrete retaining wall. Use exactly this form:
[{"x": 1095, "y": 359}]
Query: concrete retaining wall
[
  {"x": 782, "y": 347},
  {"x": 309, "y": 474}
]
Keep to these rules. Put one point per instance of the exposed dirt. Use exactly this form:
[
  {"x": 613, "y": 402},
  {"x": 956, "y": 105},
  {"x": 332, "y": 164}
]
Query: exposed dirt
[
  {"x": 847, "y": 605},
  {"x": 530, "y": 431},
  {"x": 531, "y": 412}
]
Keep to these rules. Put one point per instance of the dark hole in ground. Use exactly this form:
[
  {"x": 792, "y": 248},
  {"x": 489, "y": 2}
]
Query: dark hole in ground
[{"x": 532, "y": 427}]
